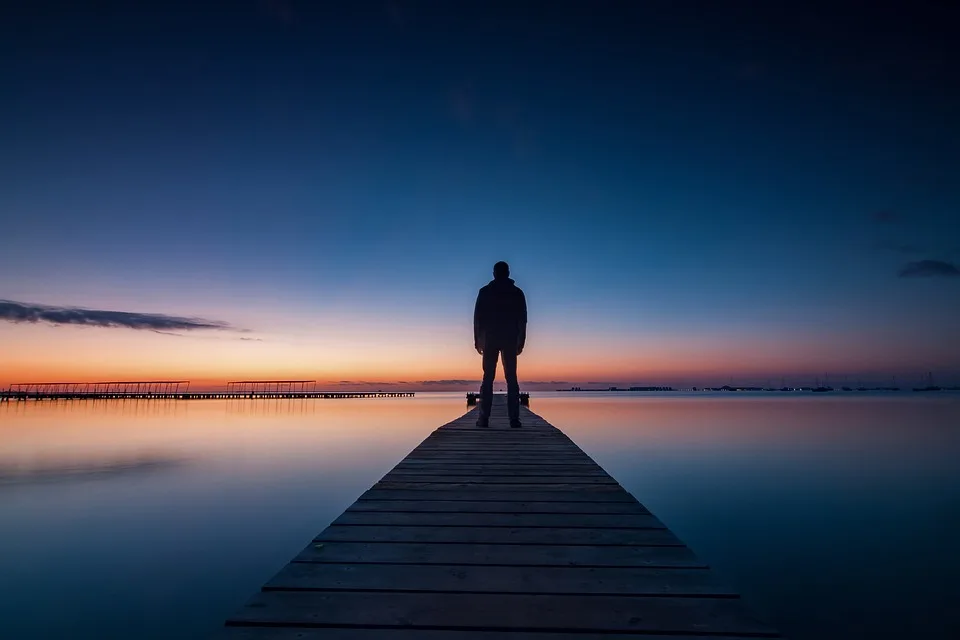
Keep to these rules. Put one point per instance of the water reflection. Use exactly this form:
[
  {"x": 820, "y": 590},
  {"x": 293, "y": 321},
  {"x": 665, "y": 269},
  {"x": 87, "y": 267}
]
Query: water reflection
[
  {"x": 235, "y": 492},
  {"x": 826, "y": 512},
  {"x": 274, "y": 406},
  {"x": 72, "y": 471},
  {"x": 837, "y": 517},
  {"x": 124, "y": 406}
]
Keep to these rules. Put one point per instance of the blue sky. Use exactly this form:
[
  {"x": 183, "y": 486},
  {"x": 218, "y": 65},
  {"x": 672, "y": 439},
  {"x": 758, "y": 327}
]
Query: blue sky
[{"x": 754, "y": 178}]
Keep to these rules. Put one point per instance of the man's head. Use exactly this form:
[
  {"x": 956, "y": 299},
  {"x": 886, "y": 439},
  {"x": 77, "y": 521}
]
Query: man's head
[{"x": 501, "y": 270}]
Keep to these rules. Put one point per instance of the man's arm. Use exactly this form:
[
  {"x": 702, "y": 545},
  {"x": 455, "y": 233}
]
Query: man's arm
[
  {"x": 522, "y": 328},
  {"x": 477, "y": 329}
]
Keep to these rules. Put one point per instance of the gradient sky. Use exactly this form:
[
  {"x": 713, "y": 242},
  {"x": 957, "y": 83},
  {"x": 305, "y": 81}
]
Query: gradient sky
[{"x": 687, "y": 194}]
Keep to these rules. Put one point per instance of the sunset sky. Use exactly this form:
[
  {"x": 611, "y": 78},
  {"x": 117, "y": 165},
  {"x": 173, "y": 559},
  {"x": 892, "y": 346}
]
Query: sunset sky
[{"x": 279, "y": 189}]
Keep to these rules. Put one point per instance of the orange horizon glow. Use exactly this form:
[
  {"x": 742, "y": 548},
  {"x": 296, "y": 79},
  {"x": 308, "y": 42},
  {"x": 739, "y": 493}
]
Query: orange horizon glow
[{"x": 412, "y": 357}]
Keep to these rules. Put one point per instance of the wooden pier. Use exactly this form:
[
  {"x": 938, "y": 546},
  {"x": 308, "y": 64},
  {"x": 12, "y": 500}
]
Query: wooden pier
[
  {"x": 180, "y": 390},
  {"x": 204, "y": 395},
  {"x": 495, "y": 534}
]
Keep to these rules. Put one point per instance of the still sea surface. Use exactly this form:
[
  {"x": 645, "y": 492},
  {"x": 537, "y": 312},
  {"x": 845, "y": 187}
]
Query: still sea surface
[{"x": 836, "y": 516}]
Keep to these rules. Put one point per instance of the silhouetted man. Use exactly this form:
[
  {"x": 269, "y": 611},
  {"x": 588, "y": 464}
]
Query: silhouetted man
[{"x": 500, "y": 329}]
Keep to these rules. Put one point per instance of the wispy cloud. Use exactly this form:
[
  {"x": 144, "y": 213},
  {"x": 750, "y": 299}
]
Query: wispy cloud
[
  {"x": 929, "y": 269},
  {"x": 447, "y": 382},
  {"x": 22, "y": 312}
]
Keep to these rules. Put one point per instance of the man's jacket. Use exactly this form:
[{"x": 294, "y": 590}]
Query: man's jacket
[{"x": 500, "y": 316}]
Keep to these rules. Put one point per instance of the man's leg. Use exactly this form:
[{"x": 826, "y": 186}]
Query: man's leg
[
  {"x": 513, "y": 386},
  {"x": 486, "y": 387}
]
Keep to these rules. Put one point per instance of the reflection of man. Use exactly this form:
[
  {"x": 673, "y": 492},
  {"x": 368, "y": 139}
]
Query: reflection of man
[{"x": 500, "y": 328}]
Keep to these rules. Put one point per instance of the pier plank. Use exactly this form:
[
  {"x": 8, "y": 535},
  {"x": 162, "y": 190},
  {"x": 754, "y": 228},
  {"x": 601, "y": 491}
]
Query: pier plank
[
  {"x": 566, "y": 487},
  {"x": 395, "y": 476},
  {"x": 500, "y": 469},
  {"x": 484, "y": 579},
  {"x": 500, "y": 554},
  {"x": 611, "y": 614},
  {"x": 352, "y": 633},
  {"x": 489, "y": 506},
  {"x": 527, "y": 520},
  {"x": 495, "y": 534},
  {"x": 500, "y": 535},
  {"x": 528, "y": 494}
]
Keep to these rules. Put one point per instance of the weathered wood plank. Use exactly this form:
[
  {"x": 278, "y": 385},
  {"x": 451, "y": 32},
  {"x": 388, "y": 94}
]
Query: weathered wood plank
[
  {"x": 503, "y": 611},
  {"x": 342, "y": 633},
  {"x": 500, "y": 469},
  {"x": 490, "y": 469},
  {"x": 501, "y": 535},
  {"x": 395, "y": 476},
  {"x": 506, "y": 456},
  {"x": 535, "y": 520},
  {"x": 500, "y": 554},
  {"x": 585, "y": 489},
  {"x": 432, "y": 463},
  {"x": 466, "y": 447},
  {"x": 488, "y": 506},
  {"x": 484, "y": 459},
  {"x": 496, "y": 439},
  {"x": 528, "y": 494},
  {"x": 452, "y": 579},
  {"x": 557, "y": 439}
]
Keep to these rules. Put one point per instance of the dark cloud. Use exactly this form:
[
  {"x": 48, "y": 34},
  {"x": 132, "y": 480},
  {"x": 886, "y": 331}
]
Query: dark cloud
[
  {"x": 12, "y": 311},
  {"x": 929, "y": 269}
]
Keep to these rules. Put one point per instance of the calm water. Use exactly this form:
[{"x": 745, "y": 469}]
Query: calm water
[{"x": 836, "y": 516}]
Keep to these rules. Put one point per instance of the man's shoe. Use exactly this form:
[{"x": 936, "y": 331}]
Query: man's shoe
[
  {"x": 516, "y": 424},
  {"x": 483, "y": 423}
]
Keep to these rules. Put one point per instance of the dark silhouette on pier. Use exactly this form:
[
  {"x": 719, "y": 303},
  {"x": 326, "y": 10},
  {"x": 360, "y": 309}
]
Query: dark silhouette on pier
[{"x": 500, "y": 331}]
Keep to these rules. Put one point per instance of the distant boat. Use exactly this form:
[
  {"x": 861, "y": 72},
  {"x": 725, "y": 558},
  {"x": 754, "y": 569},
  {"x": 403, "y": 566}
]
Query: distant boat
[
  {"x": 846, "y": 389},
  {"x": 821, "y": 388},
  {"x": 930, "y": 386}
]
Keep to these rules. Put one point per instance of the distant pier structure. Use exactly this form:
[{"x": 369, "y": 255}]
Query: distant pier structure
[
  {"x": 271, "y": 388},
  {"x": 474, "y": 398},
  {"x": 98, "y": 390},
  {"x": 180, "y": 390}
]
